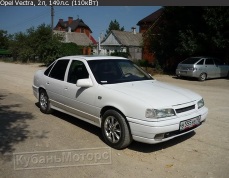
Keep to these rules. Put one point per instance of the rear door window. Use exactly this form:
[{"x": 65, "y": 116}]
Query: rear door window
[
  {"x": 209, "y": 61},
  {"x": 58, "y": 71}
]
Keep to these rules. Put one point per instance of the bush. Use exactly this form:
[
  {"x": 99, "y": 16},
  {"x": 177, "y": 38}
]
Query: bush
[{"x": 69, "y": 49}]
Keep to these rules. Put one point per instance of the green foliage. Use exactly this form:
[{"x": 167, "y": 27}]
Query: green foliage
[
  {"x": 51, "y": 51},
  {"x": 47, "y": 46},
  {"x": 4, "y": 39},
  {"x": 35, "y": 44},
  {"x": 190, "y": 31},
  {"x": 18, "y": 46},
  {"x": 121, "y": 54},
  {"x": 38, "y": 45},
  {"x": 114, "y": 25},
  {"x": 68, "y": 49},
  {"x": 4, "y": 52}
]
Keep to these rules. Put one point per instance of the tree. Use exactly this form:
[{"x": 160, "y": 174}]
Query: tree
[
  {"x": 190, "y": 31},
  {"x": 18, "y": 46},
  {"x": 48, "y": 48},
  {"x": 36, "y": 44},
  {"x": 4, "y": 39},
  {"x": 68, "y": 49},
  {"x": 114, "y": 25}
]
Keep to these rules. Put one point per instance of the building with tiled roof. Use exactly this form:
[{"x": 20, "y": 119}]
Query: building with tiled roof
[
  {"x": 122, "y": 41},
  {"x": 77, "y": 26},
  {"x": 148, "y": 25},
  {"x": 148, "y": 21},
  {"x": 80, "y": 39}
]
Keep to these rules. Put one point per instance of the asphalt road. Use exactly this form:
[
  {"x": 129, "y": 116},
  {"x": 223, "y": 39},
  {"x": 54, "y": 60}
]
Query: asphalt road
[{"x": 33, "y": 144}]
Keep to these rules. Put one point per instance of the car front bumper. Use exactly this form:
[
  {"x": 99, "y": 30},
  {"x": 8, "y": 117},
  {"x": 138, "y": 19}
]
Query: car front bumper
[{"x": 150, "y": 132}]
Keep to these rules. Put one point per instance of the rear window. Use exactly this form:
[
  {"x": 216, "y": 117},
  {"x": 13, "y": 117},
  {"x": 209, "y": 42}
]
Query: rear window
[
  {"x": 58, "y": 71},
  {"x": 218, "y": 62},
  {"x": 48, "y": 69},
  {"x": 191, "y": 60}
]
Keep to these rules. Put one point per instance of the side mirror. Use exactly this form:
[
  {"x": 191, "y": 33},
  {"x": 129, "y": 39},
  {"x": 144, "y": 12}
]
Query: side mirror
[{"x": 85, "y": 83}]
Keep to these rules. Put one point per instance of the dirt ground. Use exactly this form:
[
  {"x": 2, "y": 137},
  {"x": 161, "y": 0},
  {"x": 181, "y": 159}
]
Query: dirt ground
[{"x": 25, "y": 131}]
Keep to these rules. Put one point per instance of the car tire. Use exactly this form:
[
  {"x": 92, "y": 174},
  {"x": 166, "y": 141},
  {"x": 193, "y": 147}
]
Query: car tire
[
  {"x": 44, "y": 102},
  {"x": 115, "y": 130},
  {"x": 202, "y": 77}
]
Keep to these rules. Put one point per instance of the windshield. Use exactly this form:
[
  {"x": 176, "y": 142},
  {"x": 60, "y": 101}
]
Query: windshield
[
  {"x": 117, "y": 71},
  {"x": 191, "y": 60}
]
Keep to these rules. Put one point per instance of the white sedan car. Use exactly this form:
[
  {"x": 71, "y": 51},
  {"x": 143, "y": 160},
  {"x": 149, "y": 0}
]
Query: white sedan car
[{"x": 120, "y": 98}]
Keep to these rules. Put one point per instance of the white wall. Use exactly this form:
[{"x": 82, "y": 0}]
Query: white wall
[{"x": 107, "y": 50}]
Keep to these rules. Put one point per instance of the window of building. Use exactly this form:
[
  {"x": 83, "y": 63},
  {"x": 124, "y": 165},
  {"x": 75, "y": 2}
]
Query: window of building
[{"x": 82, "y": 30}]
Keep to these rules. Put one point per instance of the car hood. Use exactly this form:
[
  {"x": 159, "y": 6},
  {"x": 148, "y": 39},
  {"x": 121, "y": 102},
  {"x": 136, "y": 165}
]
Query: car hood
[{"x": 154, "y": 93}]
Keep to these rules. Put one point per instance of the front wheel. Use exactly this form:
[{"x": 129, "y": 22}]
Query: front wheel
[
  {"x": 44, "y": 102},
  {"x": 202, "y": 77},
  {"x": 178, "y": 77},
  {"x": 115, "y": 130}
]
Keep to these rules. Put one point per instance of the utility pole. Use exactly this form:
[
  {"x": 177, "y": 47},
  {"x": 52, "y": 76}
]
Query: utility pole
[{"x": 52, "y": 16}]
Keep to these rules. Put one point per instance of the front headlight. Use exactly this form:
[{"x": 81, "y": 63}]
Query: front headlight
[
  {"x": 200, "y": 103},
  {"x": 159, "y": 113}
]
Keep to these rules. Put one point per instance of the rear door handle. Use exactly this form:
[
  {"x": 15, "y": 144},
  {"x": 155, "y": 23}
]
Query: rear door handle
[{"x": 47, "y": 83}]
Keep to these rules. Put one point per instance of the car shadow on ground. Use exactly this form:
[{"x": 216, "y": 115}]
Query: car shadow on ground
[
  {"x": 148, "y": 148},
  {"x": 136, "y": 146},
  {"x": 77, "y": 122},
  {"x": 196, "y": 80},
  {"x": 185, "y": 78}
]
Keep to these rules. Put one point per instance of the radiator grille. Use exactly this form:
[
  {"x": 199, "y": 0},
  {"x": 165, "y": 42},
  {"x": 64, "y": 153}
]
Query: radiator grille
[{"x": 185, "y": 109}]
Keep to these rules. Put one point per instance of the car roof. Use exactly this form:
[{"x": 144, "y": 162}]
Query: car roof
[{"x": 92, "y": 57}]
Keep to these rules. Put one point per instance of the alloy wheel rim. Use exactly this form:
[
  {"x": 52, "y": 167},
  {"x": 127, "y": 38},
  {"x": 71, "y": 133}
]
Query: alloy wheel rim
[
  {"x": 112, "y": 129},
  {"x": 43, "y": 101},
  {"x": 203, "y": 76}
]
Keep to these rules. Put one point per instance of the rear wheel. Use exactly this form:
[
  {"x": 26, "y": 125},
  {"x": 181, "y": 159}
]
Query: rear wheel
[
  {"x": 202, "y": 77},
  {"x": 115, "y": 130},
  {"x": 44, "y": 102}
]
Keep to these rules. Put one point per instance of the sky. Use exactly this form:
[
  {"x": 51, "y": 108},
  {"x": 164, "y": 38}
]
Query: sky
[{"x": 20, "y": 18}]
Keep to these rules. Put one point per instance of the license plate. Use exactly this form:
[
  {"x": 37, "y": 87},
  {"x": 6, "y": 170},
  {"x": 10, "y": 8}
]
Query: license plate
[
  {"x": 190, "y": 123},
  {"x": 183, "y": 72}
]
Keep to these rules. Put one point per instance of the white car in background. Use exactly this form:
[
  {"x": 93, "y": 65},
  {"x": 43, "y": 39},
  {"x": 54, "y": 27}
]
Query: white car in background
[
  {"x": 120, "y": 98},
  {"x": 202, "y": 68}
]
